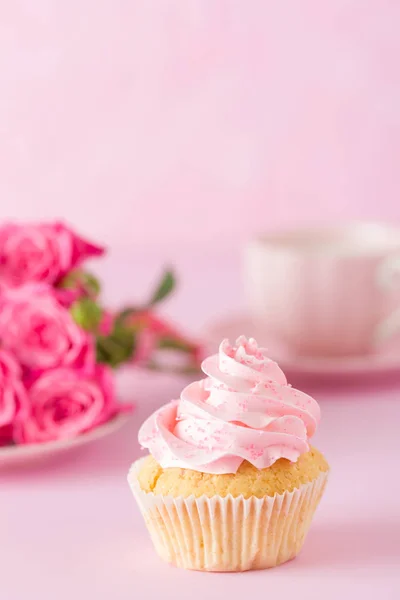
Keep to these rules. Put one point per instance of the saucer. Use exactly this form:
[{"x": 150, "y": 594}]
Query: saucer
[
  {"x": 241, "y": 324},
  {"x": 27, "y": 453}
]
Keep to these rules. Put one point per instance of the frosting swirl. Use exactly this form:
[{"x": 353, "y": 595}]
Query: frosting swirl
[{"x": 243, "y": 410}]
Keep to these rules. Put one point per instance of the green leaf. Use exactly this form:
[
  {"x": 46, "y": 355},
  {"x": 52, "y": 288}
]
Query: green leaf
[
  {"x": 70, "y": 280},
  {"x": 116, "y": 348},
  {"x": 175, "y": 344},
  {"x": 86, "y": 313},
  {"x": 123, "y": 315},
  {"x": 164, "y": 288},
  {"x": 81, "y": 279},
  {"x": 92, "y": 284}
]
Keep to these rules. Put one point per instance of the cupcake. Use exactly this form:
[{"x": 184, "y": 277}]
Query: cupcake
[{"x": 231, "y": 482}]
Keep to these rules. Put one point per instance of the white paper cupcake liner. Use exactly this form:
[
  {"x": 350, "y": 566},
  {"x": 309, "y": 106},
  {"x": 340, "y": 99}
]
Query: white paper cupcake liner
[{"x": 228, "y": 534}]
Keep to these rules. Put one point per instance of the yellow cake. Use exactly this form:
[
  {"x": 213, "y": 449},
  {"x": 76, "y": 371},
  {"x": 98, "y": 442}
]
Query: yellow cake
[
  {"x": 231, "y": 482},
  {"x": 282, "y": 476}
]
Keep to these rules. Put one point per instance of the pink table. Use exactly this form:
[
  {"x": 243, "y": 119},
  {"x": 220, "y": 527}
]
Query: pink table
[{"x": 70, "y": 528}]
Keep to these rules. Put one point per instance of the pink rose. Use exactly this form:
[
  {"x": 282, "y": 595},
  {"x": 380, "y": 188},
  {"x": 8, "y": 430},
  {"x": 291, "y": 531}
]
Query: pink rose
[
  {"x": 13, "y": 400},
  {"x": 40, "y": 252},
  {"x": 65, "y": 402},
  {"x": 6, "y": 435},
  {"x": 39, "y": 331}
]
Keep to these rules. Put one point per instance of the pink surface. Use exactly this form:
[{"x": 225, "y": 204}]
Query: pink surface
[
  {"x": 70, "y": 528},
  {"x": 131, "y": 118}
]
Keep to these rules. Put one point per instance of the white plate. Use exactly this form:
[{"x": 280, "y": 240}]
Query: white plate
[
  {"x": 13, "y": 455},
  {"x": 232, "y": 327}
]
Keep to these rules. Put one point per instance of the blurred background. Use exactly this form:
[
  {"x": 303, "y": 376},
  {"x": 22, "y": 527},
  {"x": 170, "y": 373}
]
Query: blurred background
[
  {"x": 174, "y": 131},
  {"x": 162, "y": 125},
  {"x": 165, "y": 123}
]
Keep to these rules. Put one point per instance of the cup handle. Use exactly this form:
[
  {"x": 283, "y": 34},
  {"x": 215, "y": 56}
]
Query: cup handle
[{"x": 388, "y": 278}]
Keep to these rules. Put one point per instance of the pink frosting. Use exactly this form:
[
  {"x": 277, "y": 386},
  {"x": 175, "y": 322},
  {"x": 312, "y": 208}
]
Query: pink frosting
[{"x": 243, "y": 410}]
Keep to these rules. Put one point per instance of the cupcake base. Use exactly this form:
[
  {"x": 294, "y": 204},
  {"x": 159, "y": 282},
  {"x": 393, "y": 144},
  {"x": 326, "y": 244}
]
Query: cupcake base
[{"x": 228, "y": 534}]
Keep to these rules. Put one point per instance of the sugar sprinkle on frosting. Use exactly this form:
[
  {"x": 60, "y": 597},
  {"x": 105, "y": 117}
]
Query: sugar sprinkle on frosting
[{"x": 243, "y": 410}]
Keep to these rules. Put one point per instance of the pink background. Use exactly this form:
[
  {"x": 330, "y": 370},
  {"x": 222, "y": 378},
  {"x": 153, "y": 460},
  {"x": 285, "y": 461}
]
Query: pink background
[
  {"x": 162, "y": 124},
  {"x": 70, "y": 529},
  {"x": 181, "y": 121}
]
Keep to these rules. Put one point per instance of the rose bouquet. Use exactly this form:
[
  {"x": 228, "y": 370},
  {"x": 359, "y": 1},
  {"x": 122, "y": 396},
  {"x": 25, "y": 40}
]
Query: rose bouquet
[{"x": 59, "y": 345}]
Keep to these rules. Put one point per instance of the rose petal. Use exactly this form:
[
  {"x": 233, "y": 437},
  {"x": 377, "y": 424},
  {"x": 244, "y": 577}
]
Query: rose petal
[
  {"x": 66, "y": 402},
  {"x": 41, "y": 332}
]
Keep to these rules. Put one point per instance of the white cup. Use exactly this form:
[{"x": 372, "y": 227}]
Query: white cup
[{"x": 327, "y": 291}]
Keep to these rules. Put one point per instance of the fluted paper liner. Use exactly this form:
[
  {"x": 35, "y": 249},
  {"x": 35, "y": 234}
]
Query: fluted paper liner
[{"x": 228, "y": 534}]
